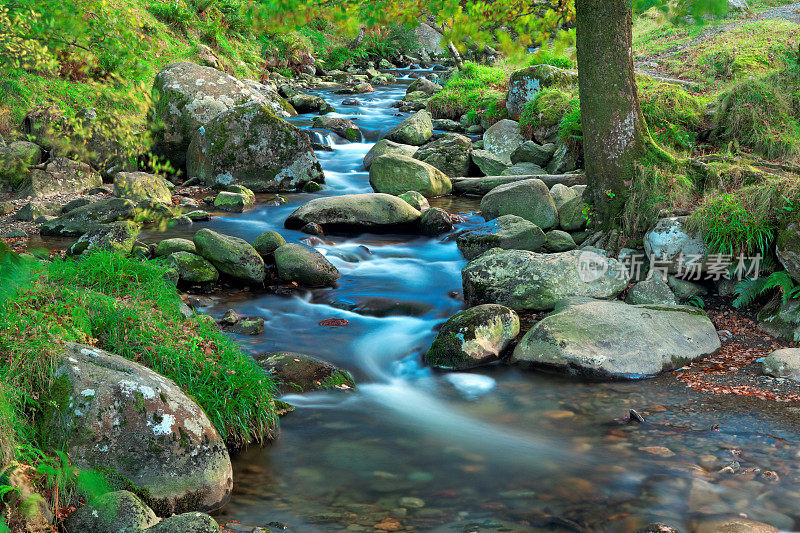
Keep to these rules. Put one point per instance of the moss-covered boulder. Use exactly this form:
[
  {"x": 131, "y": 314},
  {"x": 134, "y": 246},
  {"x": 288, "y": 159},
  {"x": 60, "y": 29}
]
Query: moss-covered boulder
[
  {"x": 525, "y": 280},
  {"x": 781, "y": 319},
  {"x": 192, "y": 268},
  {"x": 230, "y": 255},
  {"x": 435, "y": 221},
  {"x": 783, "y": 363},
  {"x": 186, "y": 523},
  {"x": 488, "y": 163},
  {"x": 508, "y": 232},
  {"x": 613, "y": 340},
  {"x": 416, "y": 130},
  {"x": 113, "y": 512},
  {"x": 524, "y": 169},
  {"x": 384, "y": 147},
  {"x": 529, "y": 199},
  {"x": 248, "y": 145},
  {"x": 531, "y": 152},
  {"x": 117, "y": 237},
  {"x": 121, "y": 416},
  {"x": 89, "y": 217},
  {"x": 38, "y": 208},
  {"x": 572, "y": 215},
  {"x": 396, "y": 174},
  {"x": 15, "y": 158},
  {"x": 297, "y": 372},
  {"x": 503, "y": 139},
  {"x": 170, "y": 246},
  {"x": 305, "y": 266},
  {"x": 59, "y": 176},
  {"x": 559, "y": 241},
  {"x": 415, "y": 200},
  {"x": 343, "y": 127},
  {"x": 451, "y": 153},
  {"x": 310, "y": 103},
  {"x": 525, "y": 84},
  {"x": 187, "y": 96},
  {"x": 651, "y": 291},
  {"x": 473, "y": 337},
  {"x": 138, "y": 186},
  {"x": 268, "y": 242},
  {"x": 562, "y": 194},
  {"x": 787, "y": 249},
  {"x": 373, "y": 211},
  {"x": 233, "y": 202},
  {"x": 423, "y": 85},
  {"x": 274, "y": 101}
]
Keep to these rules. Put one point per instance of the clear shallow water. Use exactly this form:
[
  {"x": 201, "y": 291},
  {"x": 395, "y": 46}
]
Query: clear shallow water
[{"x": 495, "y": 450}]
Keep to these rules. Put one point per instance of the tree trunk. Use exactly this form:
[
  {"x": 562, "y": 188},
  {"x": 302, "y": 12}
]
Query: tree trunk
[{"x": 615, "y": 135}]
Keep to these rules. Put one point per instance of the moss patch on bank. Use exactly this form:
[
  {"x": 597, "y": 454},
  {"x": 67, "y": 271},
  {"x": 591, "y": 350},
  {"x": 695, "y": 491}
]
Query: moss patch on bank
[{"x": 476, "y": 90}]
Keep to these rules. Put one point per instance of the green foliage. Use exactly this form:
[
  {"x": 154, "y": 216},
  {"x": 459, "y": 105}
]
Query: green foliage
[
  {"x": 749, "y": 290},
  {"x": 696, "y": 301},
  {"x": 673, "y": 115},
  {"x": 473, "y": 89},
  {"x": 553, "y": 108},
  {"x": 545, "y": 56},
  {"x": 655, "y": 187},
  {"x": 175, "y": 14},
  {"x": 764, "y": 115}
]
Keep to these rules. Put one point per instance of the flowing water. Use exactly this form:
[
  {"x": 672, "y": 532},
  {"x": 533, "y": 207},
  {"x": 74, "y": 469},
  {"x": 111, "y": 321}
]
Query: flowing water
[{"x": 494, "y": 450}]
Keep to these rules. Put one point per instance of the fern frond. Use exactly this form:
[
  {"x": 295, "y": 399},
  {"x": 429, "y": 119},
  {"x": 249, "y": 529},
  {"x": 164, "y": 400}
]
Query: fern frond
[{"x": 747, "y": 291}]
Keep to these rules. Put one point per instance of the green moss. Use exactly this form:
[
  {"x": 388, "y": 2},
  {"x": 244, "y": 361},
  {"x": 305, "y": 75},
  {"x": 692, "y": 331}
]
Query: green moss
[
  {"x": 476, "y": 90},
  {"x": 553, "y": 109},
  {"x": 673, "y": 115}
]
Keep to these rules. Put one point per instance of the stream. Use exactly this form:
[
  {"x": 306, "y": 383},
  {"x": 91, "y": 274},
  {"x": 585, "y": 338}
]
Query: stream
[{"x": 498, "y": 449}]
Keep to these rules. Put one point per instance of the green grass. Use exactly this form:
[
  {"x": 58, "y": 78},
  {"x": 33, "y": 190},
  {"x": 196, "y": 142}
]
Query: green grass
[
  {"x": 475, "y": 89},
  {"x": 673, "y": 115},
  {"x": 129, "y": 308}
]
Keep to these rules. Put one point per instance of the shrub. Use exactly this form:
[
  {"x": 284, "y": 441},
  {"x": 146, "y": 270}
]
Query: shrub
[
  {"x": 171, "y": 13},
  {"x": 475, "y": 89},
  {"x": 655, "y": 187}
]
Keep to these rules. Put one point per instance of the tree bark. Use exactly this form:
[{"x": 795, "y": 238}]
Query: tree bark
[{"x": 615, "y": 135}]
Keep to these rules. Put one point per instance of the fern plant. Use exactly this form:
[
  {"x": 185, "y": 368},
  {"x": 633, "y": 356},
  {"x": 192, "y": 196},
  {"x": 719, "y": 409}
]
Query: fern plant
[{"x": 749, "y": 289}]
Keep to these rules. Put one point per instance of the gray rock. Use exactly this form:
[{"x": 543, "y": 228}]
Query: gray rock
[
  {"x": 60, "y": 176},
  {"x": 451, "y": 153},
  {"x": 342, "y": 127},
  {"x": 298, "y": 372},
  {"x": 781, "y": 319},
  {"x": 787, "y": 249},
  {"x": 113, "y": 512},
  {"x": 671, "y": 246},
  {"x": 127, "y": 418},
  {"x": 572, "y": 214},
  {"x": 424, "y": 85},
  {"x": 525, "y": 84},
  {"x": 189, "y": 96},
  {"x": 529, "y": 199},
  {"x": 524, "y": 280},
  {"x": 118, "y": 237},
  {"x": 186, "y": 523},
  {"x": 445, "y": 124},
  {"x": 248, "y": 145},
  {"x": 783, "y": 363},
  {"x": 384, "y": 147},
  {"x": 508, "y": 232},
  {"x": 76, "y": 203},
  {"x": 37, "y": 208},
  {"x": 735, "y": 524},
  {"x": 138, "y": 186},
  {"x": 685, "y": 289},
  {"x": 473, "y": 337},
  {"x": 415, "y": 200},
  {"x": 89, "y": 217},
  {"x": 503, "y": 139},
  {"x": 268, "y": 242},
  {"x": 363, "y": 211},
  {"x": 435, "y": 221},
  {"x": 192, "y": 268},
  {"x": 562, "y": 194},
  {"x": 397, "y": 174},
  {"x": 531, "y": 152},
  {"x": 233, "y": 202},
  {"x": 653, "y": 291},
  {"x": 738, "y": 6},
  {"x": 230, "y": 255},
  {"x": 305, "y": 266},
  {"x": 613, "y": 340},
  {"x": 416, "y": 130},
  {"x": 524, "y": 169},
  {"x": 310, "y": 103},
  {"x": 559, "y": 241},
  {"x": 280, "y": 107},
  {"x": 488, "y": 163},
  {"x": 170, "y": 246}
]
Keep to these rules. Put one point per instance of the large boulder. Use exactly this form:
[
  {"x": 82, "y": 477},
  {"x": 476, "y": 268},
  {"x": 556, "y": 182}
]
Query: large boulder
[
  {"x": 488, "y": 163},
  {"x": 784, "y": 363},
  {"x": 305, "y": 266},
  {"x": 230, "y": 255},
  {"x": 296, "y": 372},
  {"x": 508, "y": 232},
  {"x": 416, "y": 130},
  {"x": 524, "y": 169},
  {"x": 562, "y": 194},
  {"x": 186, "y": 523},
  {"x": 529, "y": 199},
  {"x": 451, "y": 153},
  {"x": 503, "y": 139},
  {"x": 118, "y": 237},
  {"x": 234, "y": 202},
  {"x": 248, "y": 145},
  {"x": 423, "y": 85},
  {"x": 273, "y": 100},
  {"x": 428, "y": 40},
  {"x": 613, "y": 340},
  {"x": 89, "y": 217},
  {"x": 343, "y": 127},
  {"x": 473, "y": 337},
  {"x": 525, "y": 84},
  {"x": 138, "y": 186},
  {"x": 59, "y": 176},
  {"x": 524, "y": 280},
  {"x": 384, "y": 147},
  {"x": 531, "y": 152},
  {"x": 396, "y": 174},
  {"x": 122, "y": 416},
  {"x": 372, "y": 211},
  {"x": 170, "y": 246},
  {"x": 120, "y": 511},
  {"x": 572, "y": 215},
  {"x": 671, "y": 246},
  {"x": 188, "y": 96},
  {"x": 310, "y": 103},
  {"x": 781, "y": 319},
  {"x": 268, "y": 242},
  {"x": 192, "y": 268},
  {"x": 653, "y": 291}
]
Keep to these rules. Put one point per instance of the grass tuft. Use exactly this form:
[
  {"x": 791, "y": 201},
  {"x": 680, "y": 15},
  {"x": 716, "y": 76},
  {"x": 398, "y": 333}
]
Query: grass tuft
[{"x": 474, "y": 90}]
